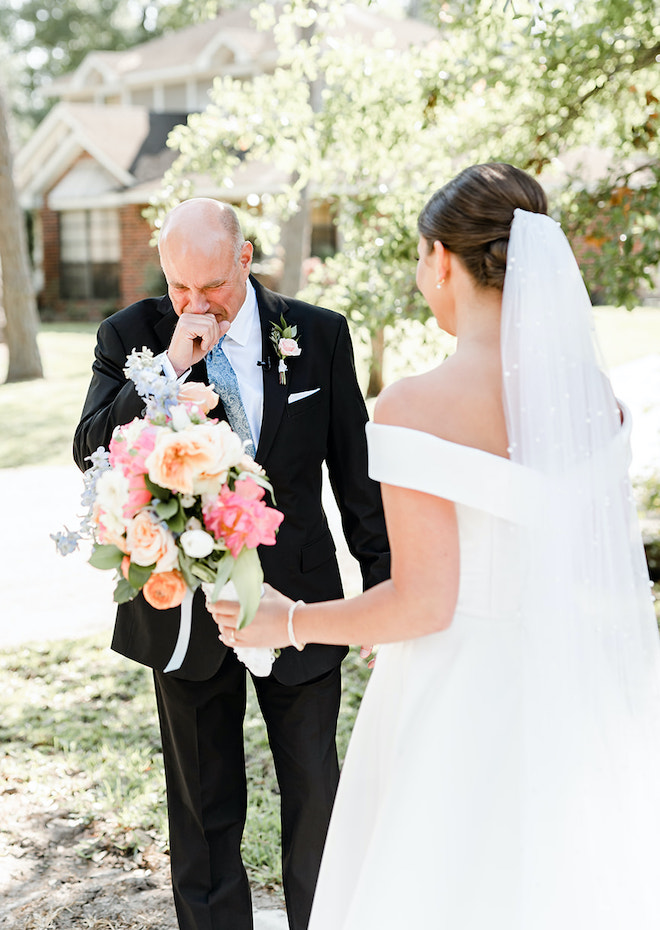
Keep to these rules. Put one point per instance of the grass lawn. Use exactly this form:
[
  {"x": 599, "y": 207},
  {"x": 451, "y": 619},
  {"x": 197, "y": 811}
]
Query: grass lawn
[
  {"x": 39, "y": 417},
  {"x": 80, "y": 721}
]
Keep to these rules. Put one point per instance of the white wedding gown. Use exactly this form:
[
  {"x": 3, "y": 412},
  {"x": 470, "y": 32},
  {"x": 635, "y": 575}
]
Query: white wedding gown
[{"x": 426, "y": 831}]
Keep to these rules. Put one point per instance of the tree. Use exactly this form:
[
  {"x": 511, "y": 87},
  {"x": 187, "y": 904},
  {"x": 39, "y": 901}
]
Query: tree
[
  {"x": 346, "y": 142},
  {"x": 22, "y": 320},
  {"x": 524, "y": 83},
  {"x": 571, "y": 78}
]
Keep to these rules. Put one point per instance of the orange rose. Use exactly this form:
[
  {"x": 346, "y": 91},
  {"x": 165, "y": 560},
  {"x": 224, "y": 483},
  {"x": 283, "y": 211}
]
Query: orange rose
[
  {"x": 164, "y": 590},
  {"x": 195, "y": 394}
]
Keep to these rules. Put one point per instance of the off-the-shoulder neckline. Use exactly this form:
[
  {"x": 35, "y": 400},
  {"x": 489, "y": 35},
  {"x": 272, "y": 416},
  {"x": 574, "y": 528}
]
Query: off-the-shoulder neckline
[{"x": 474, "y": 450}]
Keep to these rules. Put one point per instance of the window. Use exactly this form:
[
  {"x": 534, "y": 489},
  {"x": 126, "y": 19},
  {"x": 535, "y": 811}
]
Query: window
[{"x": 90, "y": 249}]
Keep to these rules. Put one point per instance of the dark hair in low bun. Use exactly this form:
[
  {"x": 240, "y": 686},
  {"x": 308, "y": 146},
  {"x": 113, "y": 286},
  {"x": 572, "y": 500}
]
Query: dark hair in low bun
[{"x": 472, "y": 214}]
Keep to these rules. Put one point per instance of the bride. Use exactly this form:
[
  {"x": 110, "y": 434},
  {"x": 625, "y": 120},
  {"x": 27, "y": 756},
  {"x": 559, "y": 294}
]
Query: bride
[{"x": 503, "y": 771}]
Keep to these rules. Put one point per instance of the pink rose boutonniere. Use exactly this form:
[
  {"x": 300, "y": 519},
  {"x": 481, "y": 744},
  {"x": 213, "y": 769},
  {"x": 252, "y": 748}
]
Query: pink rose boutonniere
[{"x": 285, "y": 340}]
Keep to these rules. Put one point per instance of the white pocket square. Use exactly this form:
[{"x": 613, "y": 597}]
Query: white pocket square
[{"x": 299, "y": 396}]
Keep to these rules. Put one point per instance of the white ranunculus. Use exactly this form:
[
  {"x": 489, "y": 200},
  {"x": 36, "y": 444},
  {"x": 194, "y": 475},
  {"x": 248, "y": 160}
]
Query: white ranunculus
[
  {"x": 112, "y": 492},
  {"x": 180, "y": 417},
  {"x": 197, "y": 543}
]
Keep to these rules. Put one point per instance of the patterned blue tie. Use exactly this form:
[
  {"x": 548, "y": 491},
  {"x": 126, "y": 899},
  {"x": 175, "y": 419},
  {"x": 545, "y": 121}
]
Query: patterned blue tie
[{"x": 223, "y": 377}]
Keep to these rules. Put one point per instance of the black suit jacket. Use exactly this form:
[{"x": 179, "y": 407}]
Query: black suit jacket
[{"x": 295, "y": 440}]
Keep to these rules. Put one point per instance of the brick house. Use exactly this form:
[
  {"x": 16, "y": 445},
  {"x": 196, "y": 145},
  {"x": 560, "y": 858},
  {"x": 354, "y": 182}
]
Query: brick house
[{"x": 91, "y": 166}]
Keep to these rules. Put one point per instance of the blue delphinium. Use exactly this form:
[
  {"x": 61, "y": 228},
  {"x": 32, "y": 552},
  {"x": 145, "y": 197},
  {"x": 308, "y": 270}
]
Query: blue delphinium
[{"x": 160, "y": 393}]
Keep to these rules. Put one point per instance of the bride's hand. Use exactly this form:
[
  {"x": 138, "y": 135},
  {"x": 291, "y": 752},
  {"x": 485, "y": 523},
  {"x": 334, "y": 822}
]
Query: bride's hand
[{"x": 269, "y": 627}]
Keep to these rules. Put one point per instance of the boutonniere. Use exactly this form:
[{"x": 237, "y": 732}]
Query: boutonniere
[{"x": 285, "y": 340}]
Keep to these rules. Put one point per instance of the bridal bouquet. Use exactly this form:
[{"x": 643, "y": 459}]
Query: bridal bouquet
[{"x": 174, "y": 502}]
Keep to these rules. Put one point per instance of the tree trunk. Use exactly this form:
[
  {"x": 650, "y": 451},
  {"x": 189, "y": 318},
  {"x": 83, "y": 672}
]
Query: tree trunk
[
  {"x": 296, "y": 236},
  {"x": 375, "y": 385},
  {"x": 18, "y": 300}
]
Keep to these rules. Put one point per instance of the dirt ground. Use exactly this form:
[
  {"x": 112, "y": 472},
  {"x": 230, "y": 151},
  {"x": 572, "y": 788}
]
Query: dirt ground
[{"x": 46, "y": 884}]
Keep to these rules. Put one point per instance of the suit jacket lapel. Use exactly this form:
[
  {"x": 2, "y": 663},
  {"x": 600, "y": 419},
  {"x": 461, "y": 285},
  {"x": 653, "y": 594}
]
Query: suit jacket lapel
[{"x": 271, "y": 306}]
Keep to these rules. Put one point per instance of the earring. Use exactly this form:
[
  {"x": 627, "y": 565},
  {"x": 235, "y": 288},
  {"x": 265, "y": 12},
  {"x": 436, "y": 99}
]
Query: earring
[{"x": 440, "y": 283}]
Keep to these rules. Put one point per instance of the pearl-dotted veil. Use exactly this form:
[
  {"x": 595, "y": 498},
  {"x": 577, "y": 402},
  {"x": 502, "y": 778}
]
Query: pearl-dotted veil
[{"x": 590, "y": 840}]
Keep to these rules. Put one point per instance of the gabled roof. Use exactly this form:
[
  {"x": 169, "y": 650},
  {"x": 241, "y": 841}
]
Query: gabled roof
[
  {"x": 128, "y": 143},
  {"x": 84, "y": 155},
  {"x": 230, "y": 44},
  {"x": 117, "y": 153},
  {"x": 188, "y": 51}
]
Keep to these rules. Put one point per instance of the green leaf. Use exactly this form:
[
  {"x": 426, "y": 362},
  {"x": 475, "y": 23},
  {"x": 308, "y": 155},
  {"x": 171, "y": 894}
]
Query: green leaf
[
  {"x": 138, "y": 575},
  {"x": 203, "y": 572},
  {"x": 105, "y": 557},
  {"x": 248, "y": 578},
  {"x": 167, "y": 509},
  {"x": 177, "y": 523},
  {"x": 124, "y": 591},
  {"x": 225, "y": 568},
  {"x": 161, "y": 494}
]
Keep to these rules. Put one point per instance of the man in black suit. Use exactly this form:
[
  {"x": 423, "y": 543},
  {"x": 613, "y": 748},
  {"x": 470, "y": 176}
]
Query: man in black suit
[{"x": 317, "y": 415}]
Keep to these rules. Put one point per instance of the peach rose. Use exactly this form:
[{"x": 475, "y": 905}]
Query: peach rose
[
  {"x": 195, "y": 394},
  {"x": 147, "y": 540},
  {"x": 178, "y": 458},
  {"x": 164, "y": 590}
]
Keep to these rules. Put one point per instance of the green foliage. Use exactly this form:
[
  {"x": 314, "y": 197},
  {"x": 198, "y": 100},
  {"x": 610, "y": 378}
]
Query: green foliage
[
  {"x": 359, "y": 138},
  {"x": 374, "y": 130},
  {"x": 560, "y": 78},
  {"x": 39, "y": 417},
  {"x": 81, "y": 721}
]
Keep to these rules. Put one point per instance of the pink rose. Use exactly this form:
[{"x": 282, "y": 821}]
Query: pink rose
[
  {"x": 131, "y": 444},
  {"x": 240, "y": 518},
  {"x": 288, "y": 347}
]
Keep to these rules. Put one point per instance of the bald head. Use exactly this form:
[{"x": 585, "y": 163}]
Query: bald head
[
  {"x": 201, "y": 223},
  {"x": 204, "y": 257}
]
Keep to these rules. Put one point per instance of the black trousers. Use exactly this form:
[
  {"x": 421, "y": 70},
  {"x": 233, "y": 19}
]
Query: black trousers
[{"x": 202, "y": 734}]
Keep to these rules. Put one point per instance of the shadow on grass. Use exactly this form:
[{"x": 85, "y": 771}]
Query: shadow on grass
[{"x": 82, "y": 721}]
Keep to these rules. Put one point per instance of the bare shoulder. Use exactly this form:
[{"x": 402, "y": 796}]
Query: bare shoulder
[
  {"x": 460, "y": 400},
  {"x": 397, "y": 403}
]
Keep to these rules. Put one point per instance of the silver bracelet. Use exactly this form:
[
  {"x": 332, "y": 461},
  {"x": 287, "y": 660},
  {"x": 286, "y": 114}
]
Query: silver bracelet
[{"x": 289, "y": 627}]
